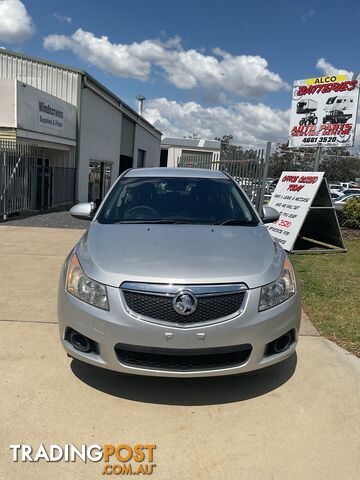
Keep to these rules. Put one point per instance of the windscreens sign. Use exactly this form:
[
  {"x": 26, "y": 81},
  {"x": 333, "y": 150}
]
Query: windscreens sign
[
  {"x": 40, "y": 112},
  {"x": 51, "y": 114},
  {"x": 323, "y": 112}
]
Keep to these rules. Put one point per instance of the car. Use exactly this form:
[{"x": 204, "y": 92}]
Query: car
[
  {"x": 334, "y": 195},
  {"x": 350, "y": 191},
  {"x": 178, "y": 276},
  {"x": 349, "y": 184},
  {"x": 271, "y": 186},
  {"x": 339, "y": 203},
  {"x": 335, "y": 188}
]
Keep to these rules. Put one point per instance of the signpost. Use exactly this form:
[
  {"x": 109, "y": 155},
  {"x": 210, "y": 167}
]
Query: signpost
[
  {"x": 307, "y": 217},
  {"x": 324, "y": 112}
]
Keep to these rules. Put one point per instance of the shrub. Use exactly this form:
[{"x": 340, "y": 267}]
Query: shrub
[{"x": 351, "y": 214}]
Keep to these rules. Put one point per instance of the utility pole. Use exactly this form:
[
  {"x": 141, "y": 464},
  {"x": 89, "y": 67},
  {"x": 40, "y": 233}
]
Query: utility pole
[
  {"x": 140, "y": 99},
  {"x": 317, "y": 159}
]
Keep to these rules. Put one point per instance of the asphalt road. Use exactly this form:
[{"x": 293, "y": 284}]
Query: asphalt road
[
  {"x": 61, "y": 219},
  {"x": 299, "y": 420}
]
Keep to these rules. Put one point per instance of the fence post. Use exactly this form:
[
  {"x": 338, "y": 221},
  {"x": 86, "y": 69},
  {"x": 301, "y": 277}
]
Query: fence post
[
  {"x": 260, "y": 201},
  {"x": 317, "y": 159}
]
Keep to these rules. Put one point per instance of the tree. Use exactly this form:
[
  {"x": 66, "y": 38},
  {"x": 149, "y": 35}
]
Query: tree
[
  {"x": 336, "y": 162},
  {"x": 228, "y": 151}
]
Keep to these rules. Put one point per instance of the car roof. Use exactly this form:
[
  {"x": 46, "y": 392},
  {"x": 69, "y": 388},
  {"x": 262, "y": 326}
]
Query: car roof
[
  {"x": 349, "y": 195},
  {"x": 175, "y": 172}
]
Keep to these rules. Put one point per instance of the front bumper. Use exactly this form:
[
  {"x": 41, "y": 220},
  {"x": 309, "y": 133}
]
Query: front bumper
[{"x": 117, "y": 326}]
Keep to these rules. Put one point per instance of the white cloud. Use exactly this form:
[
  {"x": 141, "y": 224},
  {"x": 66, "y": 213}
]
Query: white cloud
[
  {"x": 251, "y": 125},
  {"x": 16, "y": 25},
  {"x": 221, "y": 72},
  {"x": 62, "y": 18},
  {"x": 328, "y": 69},
  {"x": 308, "y": 15}
]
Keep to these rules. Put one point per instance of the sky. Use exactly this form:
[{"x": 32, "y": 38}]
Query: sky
[{"x": 205, "y": 68}]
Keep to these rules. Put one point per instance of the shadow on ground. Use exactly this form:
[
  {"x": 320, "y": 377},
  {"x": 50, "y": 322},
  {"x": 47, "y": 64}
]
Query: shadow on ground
[{"x": 186, "y": 392}]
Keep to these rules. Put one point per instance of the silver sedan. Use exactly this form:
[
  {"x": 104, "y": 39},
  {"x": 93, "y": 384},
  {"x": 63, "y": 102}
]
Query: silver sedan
[
  {"x": 339, "y": 203},
  {"x": 178, "y": 276}
]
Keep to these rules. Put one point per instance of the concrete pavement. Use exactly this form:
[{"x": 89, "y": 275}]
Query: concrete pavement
[{"x": 299, "y": 420}]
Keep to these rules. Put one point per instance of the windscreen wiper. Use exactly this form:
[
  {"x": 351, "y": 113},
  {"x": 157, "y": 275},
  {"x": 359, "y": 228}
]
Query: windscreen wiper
[
  {"x": 165, "y": 221},
  {"x": 235, "y": 221}
]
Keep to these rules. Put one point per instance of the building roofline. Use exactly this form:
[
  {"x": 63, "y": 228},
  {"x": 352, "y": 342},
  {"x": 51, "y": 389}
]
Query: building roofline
[
  {"x": 83, "y": 73},
  {"x": 198, "y": 143},
  {"x": 41, "y": 60}
]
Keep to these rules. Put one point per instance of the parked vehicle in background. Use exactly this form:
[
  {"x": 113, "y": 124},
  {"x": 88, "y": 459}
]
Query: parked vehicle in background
[
  {"x": 349, "y": 185},
  {"x": 334, "y": 195},
  {"x": 178, "y": 276},
  {"x": 349, "y": 191},
  {"x": 335, "y": 188},
  {"x": 340, "y": 202},
  {"x": 272, "y": 185}
]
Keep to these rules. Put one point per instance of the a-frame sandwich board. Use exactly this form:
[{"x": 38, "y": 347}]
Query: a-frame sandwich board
[{"x": 308, "y": 221}]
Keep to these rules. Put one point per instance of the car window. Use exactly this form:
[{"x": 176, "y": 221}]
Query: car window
[{"x": 183, "y": 200}]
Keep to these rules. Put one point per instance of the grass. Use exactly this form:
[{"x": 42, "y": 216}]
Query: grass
[{"x": 330, "y": 294}]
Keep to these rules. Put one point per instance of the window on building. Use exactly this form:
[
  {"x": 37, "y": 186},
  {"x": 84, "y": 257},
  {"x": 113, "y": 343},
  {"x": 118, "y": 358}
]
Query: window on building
[
  {"x": 99, "y": 180},
  {"x": 164, "y": 157},
  {"x": 141, "y": 158}
]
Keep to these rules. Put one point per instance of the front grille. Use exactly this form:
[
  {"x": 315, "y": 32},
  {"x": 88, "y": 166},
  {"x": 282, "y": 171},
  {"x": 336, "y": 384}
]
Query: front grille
[
  {"x": 182, "y": 360},
  {"x": 159, "y": 307}
]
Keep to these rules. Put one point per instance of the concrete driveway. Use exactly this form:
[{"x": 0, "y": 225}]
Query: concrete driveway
[{"x": 299, "y": 420}]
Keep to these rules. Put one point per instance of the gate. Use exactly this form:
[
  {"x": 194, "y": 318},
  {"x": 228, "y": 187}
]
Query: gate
[
  {"x": 30, "y": 180},
  {"x": 249, "y": 170}
]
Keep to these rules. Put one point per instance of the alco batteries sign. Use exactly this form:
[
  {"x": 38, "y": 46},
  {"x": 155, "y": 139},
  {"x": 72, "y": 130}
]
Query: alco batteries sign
[{"x": 323, "y": 112}]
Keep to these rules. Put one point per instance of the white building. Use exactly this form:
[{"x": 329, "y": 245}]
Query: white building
[
  {"x": 188, "y": 149},
  {"x": 65, "y": 119}
]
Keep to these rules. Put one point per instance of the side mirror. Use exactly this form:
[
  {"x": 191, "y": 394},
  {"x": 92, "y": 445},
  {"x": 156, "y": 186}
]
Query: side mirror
[
  {"x": 84, "y": 211},
  {"x": 270, "y": 214}
]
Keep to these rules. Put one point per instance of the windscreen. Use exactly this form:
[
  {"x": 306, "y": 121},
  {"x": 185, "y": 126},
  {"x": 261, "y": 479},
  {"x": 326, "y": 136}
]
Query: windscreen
[{"x": 177, "y": 200}]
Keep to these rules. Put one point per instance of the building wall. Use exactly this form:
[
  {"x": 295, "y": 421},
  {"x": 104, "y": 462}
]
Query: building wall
[
  {"x": 99, "y": 115},
  {"x": 7, "y": 104},
  {"x": 60, "y": 82},
  {"x": 175, "y": 152},
  {"x": 144, "y": 140},
  {"x": 100, "y": 132}
]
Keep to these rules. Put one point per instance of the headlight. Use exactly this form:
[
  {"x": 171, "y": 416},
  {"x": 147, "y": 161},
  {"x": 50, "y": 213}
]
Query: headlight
[
  {"x": 81, "y": 286},
  {"x": 277, "y": 292}
]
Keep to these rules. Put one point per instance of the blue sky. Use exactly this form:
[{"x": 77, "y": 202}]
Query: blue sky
[{"x": 165, "y": 50}]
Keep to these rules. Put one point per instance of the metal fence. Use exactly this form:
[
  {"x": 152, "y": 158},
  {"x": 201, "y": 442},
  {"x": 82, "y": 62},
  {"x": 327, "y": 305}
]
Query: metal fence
[
  {"x": 29, "y": 180},
  {"x": 249, "y": 169},
  {"x": 338, "y": 164},
  {"x": 342, "y": 172},
  {"x": 254, "y": 169}
]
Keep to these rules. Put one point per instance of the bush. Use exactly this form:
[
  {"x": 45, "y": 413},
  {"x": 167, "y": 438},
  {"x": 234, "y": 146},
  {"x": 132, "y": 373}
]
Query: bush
[{"x": 350, "y": 217}]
